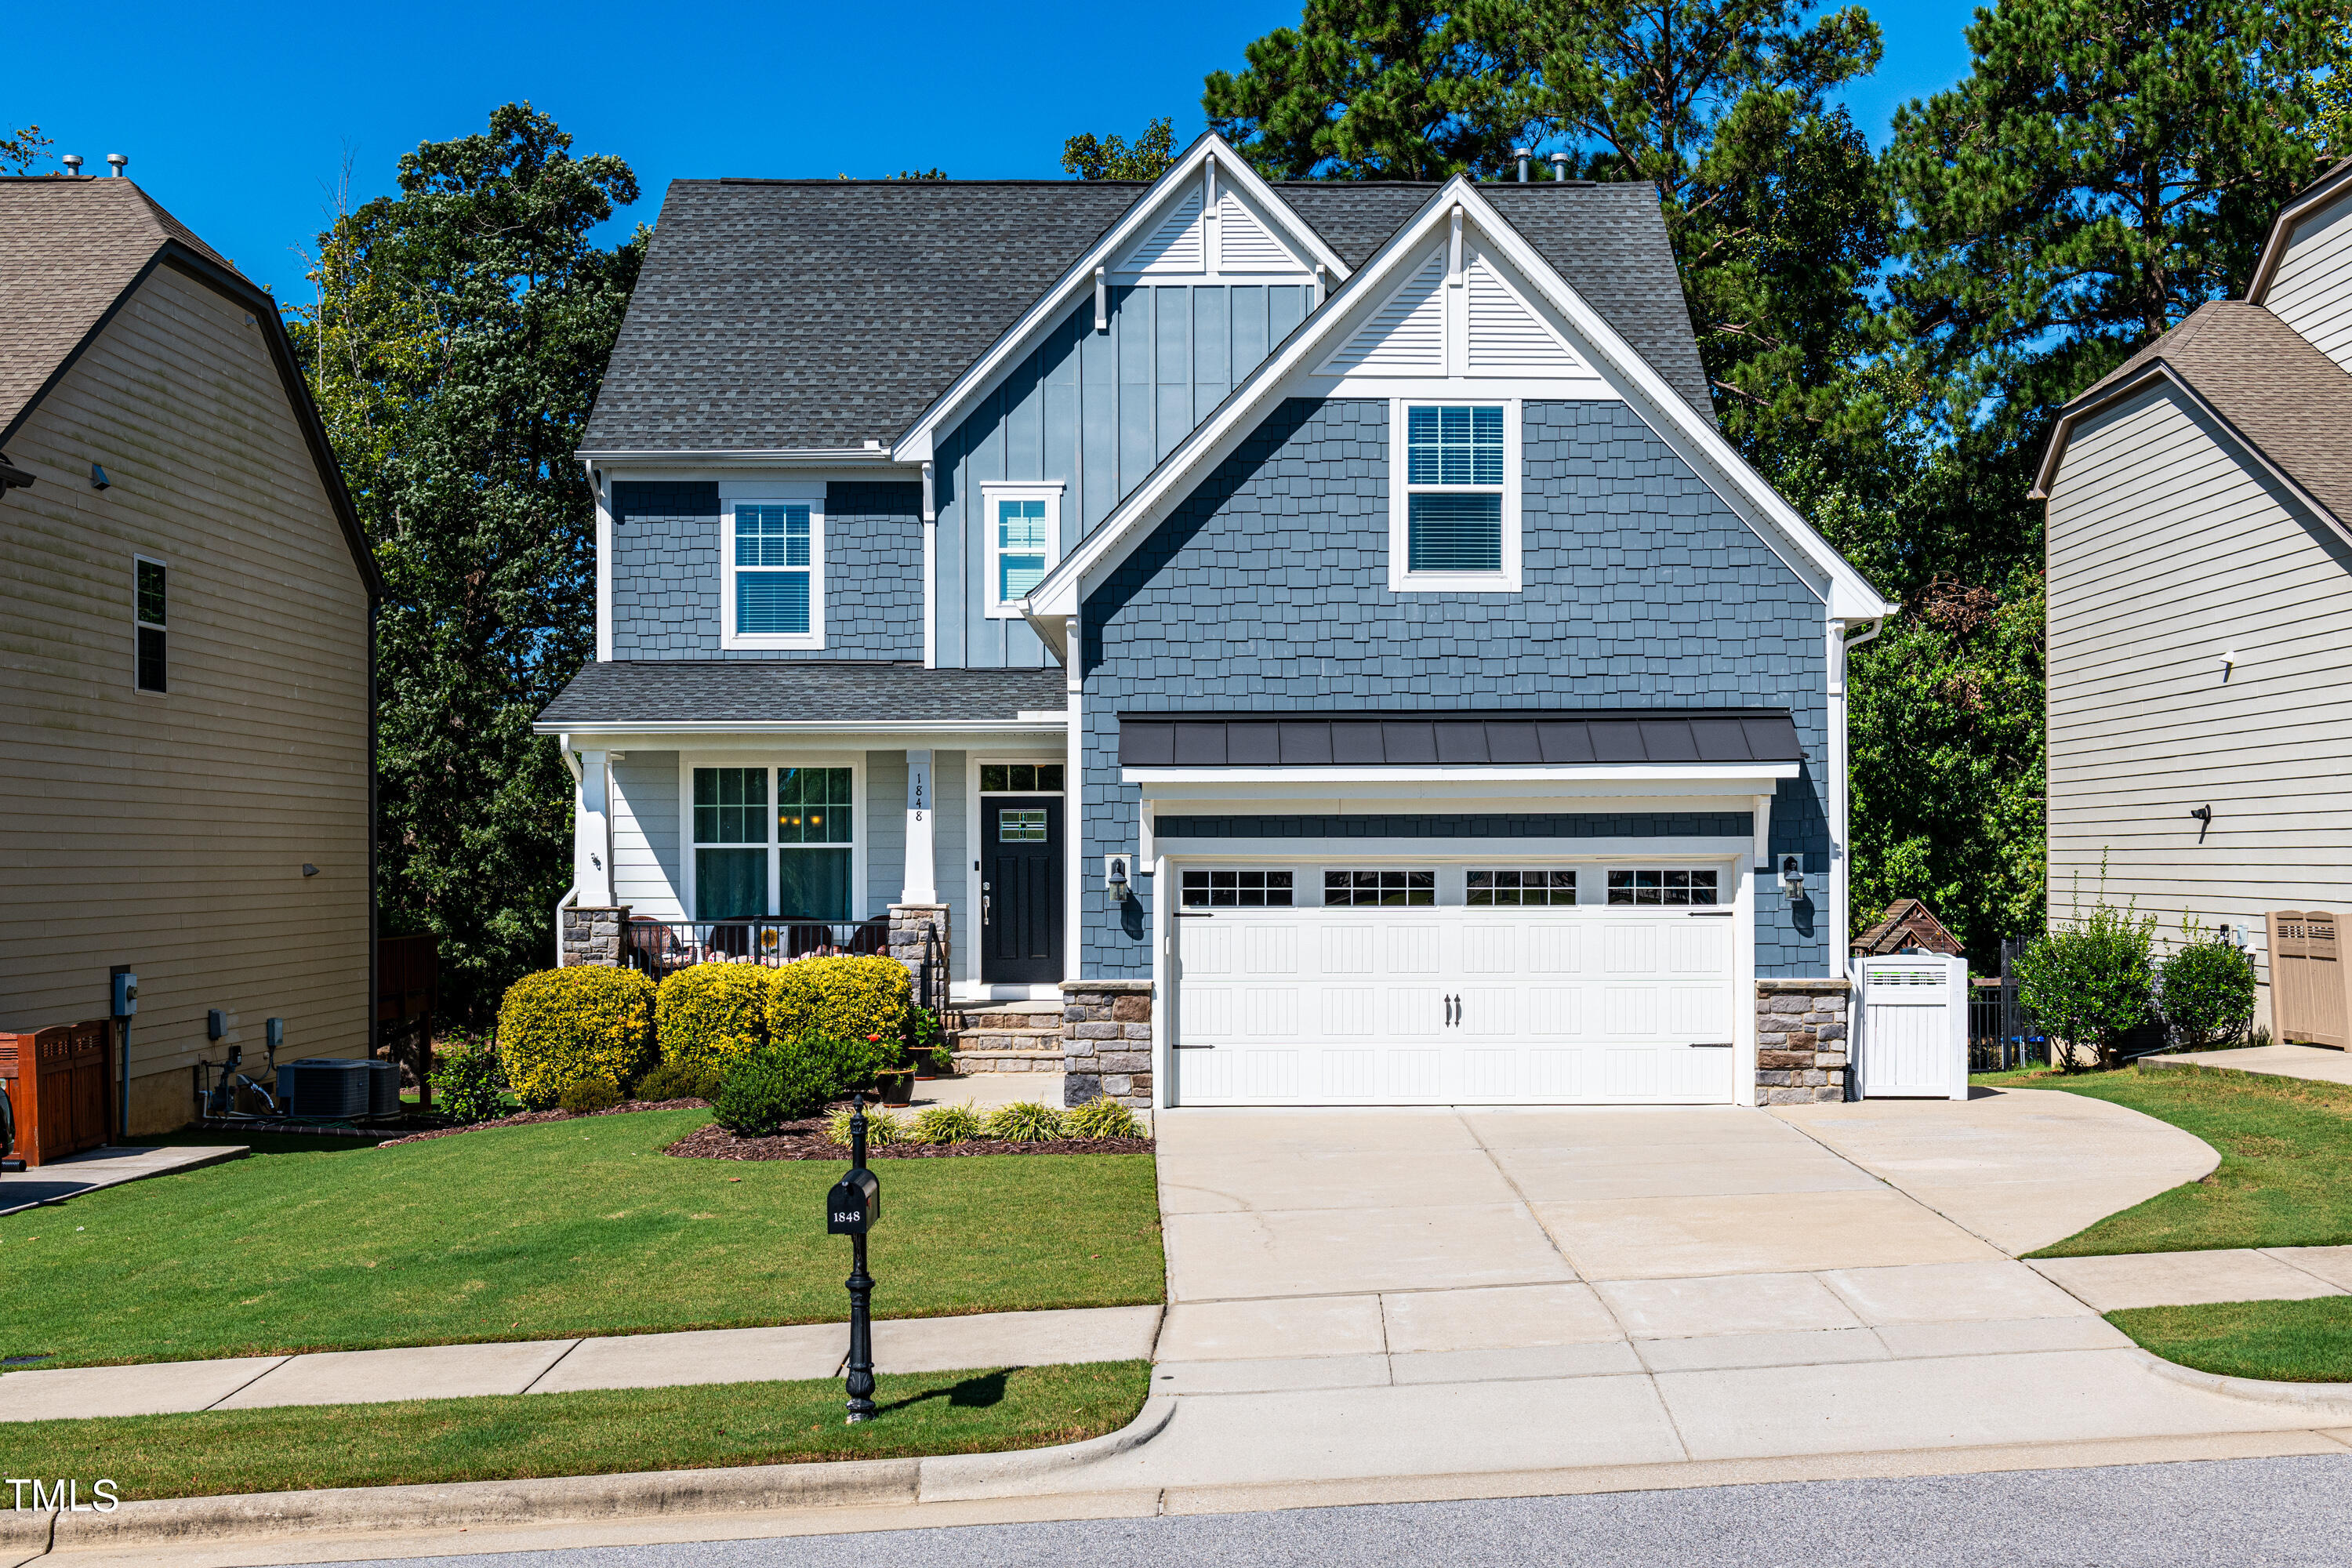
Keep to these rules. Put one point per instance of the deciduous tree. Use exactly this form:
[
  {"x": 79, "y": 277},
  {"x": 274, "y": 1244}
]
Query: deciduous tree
[
  {"x": 459, "y": 335},
  {"x": 1109, "y": 158}
]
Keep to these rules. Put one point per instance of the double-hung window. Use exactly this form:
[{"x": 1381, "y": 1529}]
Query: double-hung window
[
  {"x": 774, "y": 576},
  {"x": 790, "y": 861},
  {"x": 1454, "y": 507},
  {"x": 1024, "y": 540},
  {"x": 148, "y": 609}
]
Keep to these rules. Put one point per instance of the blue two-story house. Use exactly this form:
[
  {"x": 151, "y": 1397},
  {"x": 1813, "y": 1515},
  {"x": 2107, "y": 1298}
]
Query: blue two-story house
[{"x": 1314, "y": 630}]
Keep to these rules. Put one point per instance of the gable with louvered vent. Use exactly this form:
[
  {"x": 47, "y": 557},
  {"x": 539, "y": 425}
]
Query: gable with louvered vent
[
  {"x": 1243, "y": 243},
  {"x": 1175, "y": 245},
  {"x": 1406, "y": 336},
  {"x": 1505, "y": 336}
]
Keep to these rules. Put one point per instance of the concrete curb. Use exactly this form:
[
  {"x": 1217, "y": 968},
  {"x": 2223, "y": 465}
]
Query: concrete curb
[
  {"x": 2331, "y": 1400},
  {"x": 468, "y": 1504}
]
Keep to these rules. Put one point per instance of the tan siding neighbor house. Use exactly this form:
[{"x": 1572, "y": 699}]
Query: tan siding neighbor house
[
  {"x": 185, "y": 611},
  {"x": 2200, "y": 538}
]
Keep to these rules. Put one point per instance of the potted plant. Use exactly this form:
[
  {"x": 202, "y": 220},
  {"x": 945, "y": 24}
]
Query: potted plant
[
  {"x": 896, "y": 1086},
  {"x": 925, "y": 1053}
]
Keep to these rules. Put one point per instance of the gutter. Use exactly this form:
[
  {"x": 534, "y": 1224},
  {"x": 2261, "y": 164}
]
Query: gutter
[{"x": 571, "y": 894}]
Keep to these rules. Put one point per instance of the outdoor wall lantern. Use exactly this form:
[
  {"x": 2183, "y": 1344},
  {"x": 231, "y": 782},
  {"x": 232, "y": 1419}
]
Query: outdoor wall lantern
[
  {"x": 1115, "y": 877},
  {"x": 1793, "y": 877},
  {"x": 851, "y": 1209}
]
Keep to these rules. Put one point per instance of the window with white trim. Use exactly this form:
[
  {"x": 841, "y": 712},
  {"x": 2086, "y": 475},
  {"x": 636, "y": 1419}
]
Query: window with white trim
[
  {"x": 794, "y": 862},
  {"x": 1454, "y": 497},
  {"x": 1661, "y": 885},
  {"x": 774, "y": 559},
  {"x": 1237, "y": 889},
  {"x": 1022, "y": 529},
  {"x": 150, "y": 607}
]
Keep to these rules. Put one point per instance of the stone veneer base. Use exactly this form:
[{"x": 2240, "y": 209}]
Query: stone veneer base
[
  {"x": 1800, "y": 1041},
  {"x": 1106, "y": 1041}
]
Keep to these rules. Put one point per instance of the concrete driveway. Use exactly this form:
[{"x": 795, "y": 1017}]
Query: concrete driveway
[{"x": 1367, "y": 1293}]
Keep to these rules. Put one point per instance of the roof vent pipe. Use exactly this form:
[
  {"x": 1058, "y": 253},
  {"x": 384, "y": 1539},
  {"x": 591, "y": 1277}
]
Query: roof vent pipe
[
  {"x": 118, "y": 162},
  {"x": 1560, "y": 165},
  {"x": 72, "y": 161},
  {"x": 1521, "y": 154}
]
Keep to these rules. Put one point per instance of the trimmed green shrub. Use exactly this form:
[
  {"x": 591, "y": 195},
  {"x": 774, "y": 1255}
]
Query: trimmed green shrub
[
  {"x": 2207, "y": 992},
  {"x": 587, "y": 1097},
  {"x": 862, "y": 1001},
  {"x": 679, "y": 1080},
  {"x": 469, "y": 1084},
  {"x": 563, "y": 1027},
  {"x": 713, "y": 1015},
  {"x": 881, "y": 1127},
  {"x": 2090, "y": 984},
  {"x": 1024, "y": 1122},
  {"x": 1101, "y": 1116},
  {"x": 783, "y": 1082},
  {"x": 946, "y": 1124}
]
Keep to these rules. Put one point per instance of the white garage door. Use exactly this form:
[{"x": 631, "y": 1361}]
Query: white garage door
[{"x": 1577, "y": 1005}]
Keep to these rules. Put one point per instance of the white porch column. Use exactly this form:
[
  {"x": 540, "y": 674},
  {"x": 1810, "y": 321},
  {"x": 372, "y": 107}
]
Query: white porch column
[
  {"x": 591, "y": 837},
  {"x": 923, "y": 860}
]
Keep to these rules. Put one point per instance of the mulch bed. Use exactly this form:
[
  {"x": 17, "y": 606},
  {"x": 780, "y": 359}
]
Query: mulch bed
[
  {"x": 533, "y": 1119},
  {"x": 807, "y": 1141}
]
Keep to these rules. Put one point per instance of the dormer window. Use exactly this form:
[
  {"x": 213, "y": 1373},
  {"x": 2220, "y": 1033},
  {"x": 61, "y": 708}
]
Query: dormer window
[
  {"x": 1023, "y": 524},
  {"x": 773, "y": 589},
  {"x": 1454, "y": 471}
]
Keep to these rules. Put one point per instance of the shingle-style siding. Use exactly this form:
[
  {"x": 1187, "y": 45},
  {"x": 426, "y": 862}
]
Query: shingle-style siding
[
  {"x": 649, "y": 874},
  {"x": 2170, "y": 547},
  {"x": 666, "y": 572},
  {"x": 170, "y": 832},
  {"x": 2312, "y": 290},
  {"x": 1267, "y": 590},
  {"x": 1096, "y": 411},
  {"x": 1523, "y": 825}
]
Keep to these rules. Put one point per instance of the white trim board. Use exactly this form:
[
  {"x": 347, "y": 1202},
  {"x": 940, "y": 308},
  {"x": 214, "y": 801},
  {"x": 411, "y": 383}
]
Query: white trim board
[
  {"x": 1691, "y": 437},
  {"x": 1078, "y": 282}
]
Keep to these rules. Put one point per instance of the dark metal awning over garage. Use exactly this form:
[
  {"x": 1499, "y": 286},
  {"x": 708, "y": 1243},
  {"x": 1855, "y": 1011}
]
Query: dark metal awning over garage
[{"x": 1744, "y": 738}]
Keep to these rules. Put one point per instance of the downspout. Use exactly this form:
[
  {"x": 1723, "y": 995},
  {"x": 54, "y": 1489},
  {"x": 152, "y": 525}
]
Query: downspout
[
  {"x": 1842, "y": 792},
  {"x": 572, "y": 893}
]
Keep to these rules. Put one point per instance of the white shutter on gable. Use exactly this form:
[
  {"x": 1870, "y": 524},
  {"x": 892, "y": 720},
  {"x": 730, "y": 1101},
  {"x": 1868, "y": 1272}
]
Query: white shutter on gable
[
  {"x": 1506, "y": 338},
  {"x": 1175, "y": 247},
  {"x": 1243, "y": 243},
  {"x": 1407, "y": 334}
]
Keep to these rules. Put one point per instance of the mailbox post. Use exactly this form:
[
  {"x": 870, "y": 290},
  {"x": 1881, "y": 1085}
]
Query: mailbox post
[{"x": 850, "y": 1210}]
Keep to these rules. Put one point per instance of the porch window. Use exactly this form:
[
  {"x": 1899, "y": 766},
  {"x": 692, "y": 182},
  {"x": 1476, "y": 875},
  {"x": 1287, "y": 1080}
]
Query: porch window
[
  {"x": 814, "y": 825},
  {"x": 790, "y": 861},
  {"x": 1661, "y": 885},
  {"x": 1387, "y": 889}
]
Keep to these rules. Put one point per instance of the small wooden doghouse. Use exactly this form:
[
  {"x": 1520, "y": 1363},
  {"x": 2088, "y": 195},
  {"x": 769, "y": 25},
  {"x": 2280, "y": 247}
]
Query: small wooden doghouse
[{"x": 1906, "y": 925}]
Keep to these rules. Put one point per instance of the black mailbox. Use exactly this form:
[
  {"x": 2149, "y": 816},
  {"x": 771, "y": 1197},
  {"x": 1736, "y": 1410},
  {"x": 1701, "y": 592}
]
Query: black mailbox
[{"x": 854, "y": 1204}]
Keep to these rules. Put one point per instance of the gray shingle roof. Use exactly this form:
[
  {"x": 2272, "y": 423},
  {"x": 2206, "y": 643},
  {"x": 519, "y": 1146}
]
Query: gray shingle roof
[
  {"x": 2288, "y": 400},
  {"x": 655, "y": 692},
  {"x": 791, "y": 314}
]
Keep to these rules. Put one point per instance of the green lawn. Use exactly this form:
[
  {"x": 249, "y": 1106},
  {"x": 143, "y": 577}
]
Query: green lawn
[
  {"x": 602, "y": 1432},
  {"x": 2285, "y": 1177},
  {"x": 548, "y": 1231},
  {"x": 2290, "y": 1342}
]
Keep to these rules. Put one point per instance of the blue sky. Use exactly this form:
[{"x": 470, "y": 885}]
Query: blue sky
[{"x": 244, "y": 131}]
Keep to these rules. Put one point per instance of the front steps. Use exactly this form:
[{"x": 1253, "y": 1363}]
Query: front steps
[{"x": 1005, "y": 1036}]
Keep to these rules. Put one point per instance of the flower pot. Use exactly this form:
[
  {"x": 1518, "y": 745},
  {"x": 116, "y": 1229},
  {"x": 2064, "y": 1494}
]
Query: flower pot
[{"x": 895, "y": 1088}]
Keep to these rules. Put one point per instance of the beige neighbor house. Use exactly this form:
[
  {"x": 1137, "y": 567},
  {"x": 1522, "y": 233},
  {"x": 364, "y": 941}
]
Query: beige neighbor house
[
  {"x": 2199, "y": 563},
  {"x": 185, "y": 604}
]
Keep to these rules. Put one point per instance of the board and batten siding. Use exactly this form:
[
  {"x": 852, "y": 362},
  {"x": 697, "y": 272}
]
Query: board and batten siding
[
  {"x": 2169, "y": 547},
  {"x": 2312, "y": 290},
  {"x": 168, "y": 833},
  {"x": 1095, "y": 411}
]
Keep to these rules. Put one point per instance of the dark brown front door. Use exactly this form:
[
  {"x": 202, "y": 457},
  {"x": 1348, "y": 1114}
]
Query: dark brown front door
[{"x": 1021, "y": 888}]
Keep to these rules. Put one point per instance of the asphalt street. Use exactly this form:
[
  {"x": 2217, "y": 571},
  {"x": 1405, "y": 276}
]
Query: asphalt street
[{"x": 2233, "y": 1514}]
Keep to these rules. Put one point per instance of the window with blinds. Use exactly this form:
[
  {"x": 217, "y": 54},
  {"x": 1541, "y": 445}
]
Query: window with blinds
[{"x": 1457, "y": 511}]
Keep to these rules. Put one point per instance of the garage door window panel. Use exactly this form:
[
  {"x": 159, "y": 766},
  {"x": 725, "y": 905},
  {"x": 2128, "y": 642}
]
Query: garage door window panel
[
  {"x": 1380, "y": 889},
  {"x": 1664, "y": 886},
  {"x": 1237, "y": 889},
  {"x": 1504, "y": 888}
]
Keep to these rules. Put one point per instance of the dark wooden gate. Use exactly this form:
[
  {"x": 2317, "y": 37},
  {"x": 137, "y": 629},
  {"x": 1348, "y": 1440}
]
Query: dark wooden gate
[{"x": 407, "y": 988}]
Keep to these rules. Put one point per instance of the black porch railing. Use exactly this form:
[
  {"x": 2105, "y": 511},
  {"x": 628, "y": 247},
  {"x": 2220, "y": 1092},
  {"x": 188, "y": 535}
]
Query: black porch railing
[{"x": 664, "y": 947}]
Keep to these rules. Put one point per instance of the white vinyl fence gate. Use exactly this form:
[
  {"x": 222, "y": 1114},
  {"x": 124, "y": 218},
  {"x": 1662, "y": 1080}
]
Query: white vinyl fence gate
[{"x": 1911, "y": 1021}]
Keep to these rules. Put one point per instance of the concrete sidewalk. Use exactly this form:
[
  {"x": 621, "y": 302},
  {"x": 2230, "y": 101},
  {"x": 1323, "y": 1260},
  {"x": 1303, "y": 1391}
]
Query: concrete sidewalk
[
  {"x": 108, "y": 1166},
  {"x": 550, "y": 1366},
  {"x": 2112, "y": 1284},
  {"x": 2282, "y": 1061}
]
